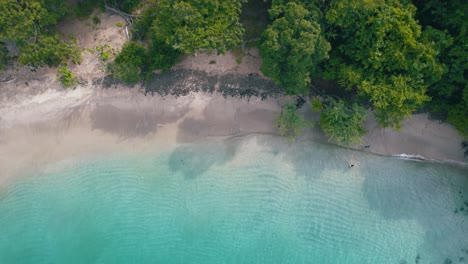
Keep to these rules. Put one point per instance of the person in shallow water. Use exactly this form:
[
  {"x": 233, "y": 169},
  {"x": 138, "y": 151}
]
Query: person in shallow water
[{"x": 350, "y": 165}]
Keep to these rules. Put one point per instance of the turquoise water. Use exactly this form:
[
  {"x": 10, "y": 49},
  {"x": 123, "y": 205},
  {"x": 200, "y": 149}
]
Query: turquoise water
[{"x": 252, "y": 200}]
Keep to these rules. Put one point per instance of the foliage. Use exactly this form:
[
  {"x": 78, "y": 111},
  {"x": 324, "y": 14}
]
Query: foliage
[
  {"x": 458, "y": 114},
  {"x": 292, "y": 47},
  {"x": 105, "y": 52},
  {"x": 445, "y": 24},
  {"x": 342, "y": 122},
  {"x": 126, "y": 5},
  {"x": 49, "y": 50},
  {"x": 28, "y": 23},
  {"x": 290, "y": 122},
  {"x": 381, "y": 52},
  {"x": 4, "y": 58},
  {"x": 85, "y": 7},
  {"x": 25, "y": 19},
  {"x": 196, "y": 25},
  {"x": 394, "y": 98},
  {"x": 66, "y": 77},
  {"x": 161, "y": 56},
  {"x": 96, "y": 20},
  {"x": 128, "y": 64},
  {"x": 316, "y": 104}
]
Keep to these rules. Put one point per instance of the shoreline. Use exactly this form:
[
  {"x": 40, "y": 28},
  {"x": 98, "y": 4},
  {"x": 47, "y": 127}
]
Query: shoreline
[{"x": 53, "y": 123}]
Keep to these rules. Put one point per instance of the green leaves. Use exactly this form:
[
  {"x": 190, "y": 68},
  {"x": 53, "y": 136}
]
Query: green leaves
[
  {"x": 380, "y": 51},
  {"x": 290, "y": 122},
  {"x": 49, "y": 50},
  {"x": 193, "y": 26},
  {"x": 292, "y": 47},
  {"x": 128, "y": 64},
  {"x": 394, "y": 98},
  {"x": 341, "y": 122},
  {"x": 66, "y": 77},
  {"x": 23, "y": 19}
]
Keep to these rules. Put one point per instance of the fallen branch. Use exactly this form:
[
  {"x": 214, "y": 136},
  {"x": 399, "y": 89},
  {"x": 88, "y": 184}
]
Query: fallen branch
[
  {"x": 8, "y": 79},
  {"x": 129, "y": 18}
]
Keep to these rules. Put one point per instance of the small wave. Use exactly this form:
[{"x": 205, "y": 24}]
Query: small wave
[{"x": 410, "y": 156}]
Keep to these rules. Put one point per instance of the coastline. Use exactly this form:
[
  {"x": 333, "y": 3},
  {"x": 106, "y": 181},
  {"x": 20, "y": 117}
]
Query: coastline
[
  {"x": 41, "y": 122},
  {"x": 55, "y": 124}
]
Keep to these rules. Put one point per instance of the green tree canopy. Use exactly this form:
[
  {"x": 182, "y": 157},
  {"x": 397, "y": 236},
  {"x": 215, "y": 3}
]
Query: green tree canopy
[
  {"x": 290, "y": 122},
  {"x": 24, "y": 19},
  {"x": 341, "y": 122},
  {"x": 380, "y": 50},
  {"x": 30, "y": 23},
  {"x": 196, "y": 25},
  {"x": 128, "y": 65},
  {"x": 292, "y": 47},
  {"x": 445, "y": 24}
]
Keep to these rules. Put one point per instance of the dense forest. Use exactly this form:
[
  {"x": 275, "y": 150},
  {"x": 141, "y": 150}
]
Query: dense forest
[{"x": 394, "y": 57}]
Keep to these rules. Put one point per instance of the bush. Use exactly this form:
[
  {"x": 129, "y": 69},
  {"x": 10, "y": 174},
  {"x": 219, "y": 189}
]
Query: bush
[
  {"x": 290, "y": 122},
  {"x": 49, "y": 50},
  {"x": 161, "y": 56},
  {"x": 3, "y": 56},
  {"x": 457, "y": 116},
  {"x": 105, "y": 52},
  {"x": 128, "y": 64},
  {"x": 66, "y": 77},
  {"x": 342, "y": 123}
]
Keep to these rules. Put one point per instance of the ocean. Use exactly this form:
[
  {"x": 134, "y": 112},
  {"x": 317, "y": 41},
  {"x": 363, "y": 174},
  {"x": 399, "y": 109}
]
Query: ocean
[{"x": 254, "y": 199}]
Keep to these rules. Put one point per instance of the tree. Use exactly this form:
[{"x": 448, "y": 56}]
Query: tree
[
  {"x": 290, "y": 122},
  {"x": 48, "y": 49},
  {"x": 29, "y": 24},
  {"x": 25, "y": 19},
  {"x": 4, "y": 58},
  {"x": 292, "y": 47},
  {"x": 445, "y": 25},
  {"x": 381, "y": 52},
  {"x": 340, "y": 121},
  {"x": 128, "y": 64},
  {"x": 197, "y": 25}
]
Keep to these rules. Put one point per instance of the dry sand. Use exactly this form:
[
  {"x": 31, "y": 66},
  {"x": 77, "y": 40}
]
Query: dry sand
[{"x": 42, "y": 123}]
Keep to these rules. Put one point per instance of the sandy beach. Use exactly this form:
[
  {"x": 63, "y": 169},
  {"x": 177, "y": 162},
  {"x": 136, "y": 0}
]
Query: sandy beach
[
  {"x": 42, "y": 122},
  {"x": 58, "y": 124}
]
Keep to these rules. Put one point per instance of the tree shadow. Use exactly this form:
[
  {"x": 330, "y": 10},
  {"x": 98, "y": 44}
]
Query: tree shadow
[
  {"x": 195, "y": 159},
  {"x": 133, "y": 122},
  {"x": 426, "y": 192}
]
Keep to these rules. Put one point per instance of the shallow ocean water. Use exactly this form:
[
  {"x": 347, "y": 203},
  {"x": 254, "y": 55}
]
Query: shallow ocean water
[{"x": 257, "y": 199}]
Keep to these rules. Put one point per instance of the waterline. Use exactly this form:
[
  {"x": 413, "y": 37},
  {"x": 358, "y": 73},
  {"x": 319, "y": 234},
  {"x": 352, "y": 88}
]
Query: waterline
[{"x": 249, "y": 200}]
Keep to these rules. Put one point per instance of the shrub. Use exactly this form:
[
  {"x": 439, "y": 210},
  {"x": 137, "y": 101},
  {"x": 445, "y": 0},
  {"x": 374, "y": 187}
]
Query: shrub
[
  {"x": 128, "y": 64},
  {"x": 290, "y": 122},
  {"x": 96, "y": 20},
  {"x": 457, "y": 116},
  {"x": 119, "y": 24},
  {"x": 105, "y": 52},
  {"x": 49, "y": 50},
  {"x": 66, "y": 77},
  {"x": 161, "y": 56},
  {"x": 3, "y": 56},
  {"x": 341, "y": 122}
]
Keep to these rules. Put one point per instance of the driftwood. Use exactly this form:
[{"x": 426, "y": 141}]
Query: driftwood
[
  {"x": 129, "y": 18},
  {"x": 8, "y": 79}
]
